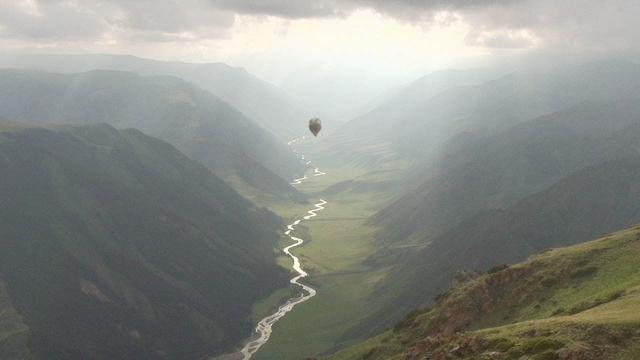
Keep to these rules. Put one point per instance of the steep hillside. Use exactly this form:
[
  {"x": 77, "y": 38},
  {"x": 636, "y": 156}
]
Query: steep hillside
[
  {"x": 115, "y": 245},
  {"x": 580, "y": 302},
  {"x": 265, "y": 103},
  {"x": 584, "y": 205},
  {"x": 196, "y": 122},
  {"x": 497, "y": 171}
]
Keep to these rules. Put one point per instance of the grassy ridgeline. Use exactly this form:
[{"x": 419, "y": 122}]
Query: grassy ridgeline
[{"x": 582, "y": 300}]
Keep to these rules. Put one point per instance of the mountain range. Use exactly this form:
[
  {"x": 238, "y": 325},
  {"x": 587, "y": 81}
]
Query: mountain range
[
  {"x": 494, "y": 172},
  {"x": 418, "y": 128},
  {"x": 266, "y": 104},
  {"x": 113, "y": 244},
  {"x": 198, "y": 123},
  {"x": 492, "y": 195}
]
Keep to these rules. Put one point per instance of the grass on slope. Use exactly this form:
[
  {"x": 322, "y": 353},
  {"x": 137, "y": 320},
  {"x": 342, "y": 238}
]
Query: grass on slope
[{"x": 582, "y": 300}]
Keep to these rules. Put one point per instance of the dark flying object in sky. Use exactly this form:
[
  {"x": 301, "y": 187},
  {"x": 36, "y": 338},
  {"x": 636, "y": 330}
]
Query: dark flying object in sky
[{"x": 315, "y": 126}]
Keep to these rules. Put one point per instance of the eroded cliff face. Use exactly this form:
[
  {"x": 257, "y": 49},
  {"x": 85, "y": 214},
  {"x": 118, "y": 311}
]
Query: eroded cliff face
[{"x": 482, "y": 297}]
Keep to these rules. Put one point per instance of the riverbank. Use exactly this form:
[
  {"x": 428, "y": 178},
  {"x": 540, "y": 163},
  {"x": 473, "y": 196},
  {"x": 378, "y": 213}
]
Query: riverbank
[{"x": 264, "y": 327}]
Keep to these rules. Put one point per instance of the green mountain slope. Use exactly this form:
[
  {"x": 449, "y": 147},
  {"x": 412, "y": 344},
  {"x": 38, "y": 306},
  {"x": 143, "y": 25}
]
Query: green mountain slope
[
  {"x": 584, "y": 205},
  {"x": 202, "y": 126},
  {"x": 115, "y": 245},
  {"x": 580, "y": 302},
  {"x": 265, "y": 103}
]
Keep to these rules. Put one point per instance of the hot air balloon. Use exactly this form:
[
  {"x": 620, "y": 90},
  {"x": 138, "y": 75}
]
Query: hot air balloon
[{"x": 315, "y": 126}]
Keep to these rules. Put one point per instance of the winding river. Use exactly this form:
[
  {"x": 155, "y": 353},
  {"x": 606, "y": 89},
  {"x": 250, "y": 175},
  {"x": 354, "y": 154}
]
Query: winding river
[{"x": 264, "y": 328}]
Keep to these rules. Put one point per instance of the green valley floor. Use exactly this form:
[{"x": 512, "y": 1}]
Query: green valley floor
[{"x": 337, "y": 242}]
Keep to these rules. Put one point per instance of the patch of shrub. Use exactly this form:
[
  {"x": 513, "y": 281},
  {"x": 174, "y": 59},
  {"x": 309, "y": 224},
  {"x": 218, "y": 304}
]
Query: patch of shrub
[
  {"x": 515, "y": 353},
  {"x": 549, "y": 282},
  {"x": 557, "y": 311},
  {"x": 408, "y": 319},
  {"x": 373, "y": 352},
  {"x": 582, "y": 262},
  {"x": 537, "y": 346},
  {"x": 586, "y": 305},
  {"x": 464, "y": 276},
  {"x": 497, "y": 268},
  {"x": 583, "y": 272},
  {"x": 614, "y": 296},
  {"x": 501, "y": 344},
  {"x": 547, "y": 355},
  {"x": 441, "y": 296},
  {"x": 534, "y": 347}
]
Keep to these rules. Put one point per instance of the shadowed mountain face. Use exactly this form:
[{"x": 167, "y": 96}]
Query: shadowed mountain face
[
  {"x": 265, "y": 103},
  {"x": 196, "y": 122},
  {"x": 495, "y": 172},
  {"x": 586, "y": 204},
  {"x": 115, "y": 245},
  {"x": 555, "y": 180}
]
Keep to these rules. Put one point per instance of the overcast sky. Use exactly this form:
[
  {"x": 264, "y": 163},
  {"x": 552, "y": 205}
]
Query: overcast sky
[{"x": 275, "y": 37}]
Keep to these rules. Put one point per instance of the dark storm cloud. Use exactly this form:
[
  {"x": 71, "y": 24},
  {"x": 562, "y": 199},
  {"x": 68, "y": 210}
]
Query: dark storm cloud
[
  {"x": 569, "y": 24},
  {"x": 585, "y": 24},
  {"x": 142, "y": 20},
  {"x": 172, "y": 16},
  {"x": 49, "y": 20},
  {"x": 610, "y": 25},
  {"x": 324, "y": 8},
  {"x": 290, "y": 9},
  {"x": 572, "y": 24}
]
